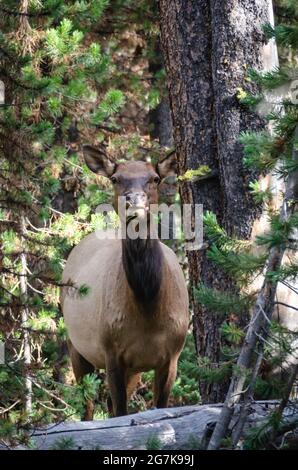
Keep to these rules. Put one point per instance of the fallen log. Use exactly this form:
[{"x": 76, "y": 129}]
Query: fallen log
[{"x": 180, "y": 428}]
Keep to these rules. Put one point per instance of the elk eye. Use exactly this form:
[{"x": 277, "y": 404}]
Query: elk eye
[
  {"x": 113, "y": 179},
  {"x": 156, "y": 179}
]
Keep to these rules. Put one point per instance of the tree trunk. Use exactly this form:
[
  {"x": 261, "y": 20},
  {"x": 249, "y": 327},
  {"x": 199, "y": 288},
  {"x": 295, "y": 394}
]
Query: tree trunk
[
  {"x": 24, "y": 319},
  {"x": 208, "y": 46}
]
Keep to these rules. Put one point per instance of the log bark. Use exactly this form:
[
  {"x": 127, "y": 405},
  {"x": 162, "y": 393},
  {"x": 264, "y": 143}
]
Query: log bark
[
  {"x": 208, "y": 46},
  {"x": 175, "y": 428}
]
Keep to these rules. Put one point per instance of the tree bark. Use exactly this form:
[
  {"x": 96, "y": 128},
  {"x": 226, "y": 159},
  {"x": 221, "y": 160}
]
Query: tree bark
[
  {"x": 237, "y": 42},
  {"x": 208, "y": 47}
]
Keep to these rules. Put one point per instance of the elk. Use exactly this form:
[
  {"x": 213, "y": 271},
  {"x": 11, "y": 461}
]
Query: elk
[{"x": 135, "y": 317}]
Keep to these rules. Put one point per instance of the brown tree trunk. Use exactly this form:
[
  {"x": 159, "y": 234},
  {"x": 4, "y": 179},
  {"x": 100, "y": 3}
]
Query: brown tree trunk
[{"x": 208, "y": 46}]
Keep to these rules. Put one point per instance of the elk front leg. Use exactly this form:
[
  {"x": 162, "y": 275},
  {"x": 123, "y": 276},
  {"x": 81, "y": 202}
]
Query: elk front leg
[
  {"x": 163, "y": 382},
  {"x": 117, "y": 385},
  {"x": 131, "y": 382}
]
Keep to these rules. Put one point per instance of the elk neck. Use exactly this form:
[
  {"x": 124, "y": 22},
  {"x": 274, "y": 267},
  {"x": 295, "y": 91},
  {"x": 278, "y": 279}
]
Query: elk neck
[{"x": 142, "y": 261}]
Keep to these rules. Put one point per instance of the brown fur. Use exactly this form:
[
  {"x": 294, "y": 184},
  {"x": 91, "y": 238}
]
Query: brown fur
[{"x": 135, "y": 317}]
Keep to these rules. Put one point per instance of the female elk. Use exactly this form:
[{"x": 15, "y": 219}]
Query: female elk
[{"x": 135, "y": 317}]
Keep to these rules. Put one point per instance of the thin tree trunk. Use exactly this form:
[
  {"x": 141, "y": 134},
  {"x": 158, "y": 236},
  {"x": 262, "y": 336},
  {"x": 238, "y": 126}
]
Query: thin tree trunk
[
  {"x": 24, "y": 30},
  {"x": 24, "y": 318},
  {"x": 208, "y": 46},
  {"x": 247, "y": 402}
]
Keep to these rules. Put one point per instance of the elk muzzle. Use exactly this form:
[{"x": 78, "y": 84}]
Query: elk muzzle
[{"x": 137, "y": 205}]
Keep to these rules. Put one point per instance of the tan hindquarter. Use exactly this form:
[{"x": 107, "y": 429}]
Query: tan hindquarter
[{"x": 108, "y": 320}]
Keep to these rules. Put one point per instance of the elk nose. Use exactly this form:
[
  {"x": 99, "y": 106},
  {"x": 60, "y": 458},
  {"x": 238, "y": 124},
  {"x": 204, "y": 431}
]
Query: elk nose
[{"x": 137, "y": 199}]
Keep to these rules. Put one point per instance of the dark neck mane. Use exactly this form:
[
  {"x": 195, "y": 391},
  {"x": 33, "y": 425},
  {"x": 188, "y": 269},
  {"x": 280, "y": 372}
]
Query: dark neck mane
[{"x": 142, "y": 262}]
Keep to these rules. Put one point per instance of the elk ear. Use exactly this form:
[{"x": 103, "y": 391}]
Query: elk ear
[
  {"x": 167, "y": 166},
  {"x": 98, "y": 161}
]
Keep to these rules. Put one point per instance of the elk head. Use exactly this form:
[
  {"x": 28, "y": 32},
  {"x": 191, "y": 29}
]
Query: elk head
[{"x": 137, "y": 181}]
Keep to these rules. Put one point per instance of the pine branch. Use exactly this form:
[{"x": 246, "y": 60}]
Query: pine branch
[
  {"x": 21, "y": 84},
  {"x": 285, "y": 34},
  {"x": 221, "y": 302},
  {"x": 238, "y": 265}
]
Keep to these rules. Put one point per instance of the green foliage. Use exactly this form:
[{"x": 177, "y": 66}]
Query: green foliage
[
  {"x": 272, "y": 79},
  {"x": 112, "y": 102},
  {"x": 238, "y": 265},
  {"x": 153, "y": 443},
  {"x": 285, "y": 34},
  {"x": 259, "y": 150},
  {"x": 213, "y": 373},
  {"x": 64, "y": 443},
  {"x": 268, "y": 387},
  {"x": 62, "y": 40},
  {"x": 287, "y": 9},
  {"x": 214, "y": 232},
  {"x": 258, "y": 436},
  {"x": 259, "y": 195},
  {"x": 222, "y": 303},
  {"x": 84, "y": 290},
  {"x": 280, "y": 233},
  {"x": 185, "y": 390},
  {"x": 285, "y": 273},
  {"x": 232, "y": 333},
  {"x": 194, "y": 443},
  {"x": 78, "y": 395},
  {"x": 247, "y": 99}
]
